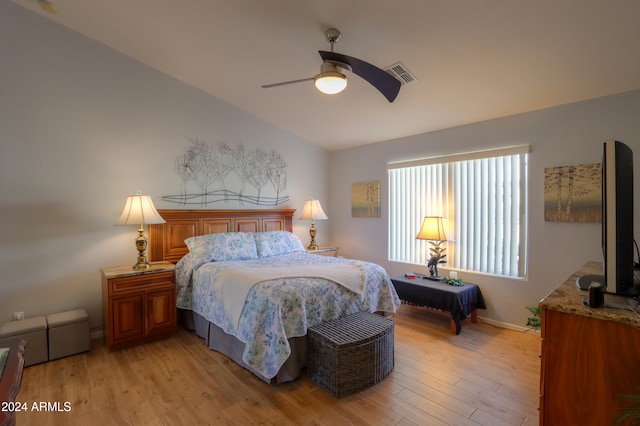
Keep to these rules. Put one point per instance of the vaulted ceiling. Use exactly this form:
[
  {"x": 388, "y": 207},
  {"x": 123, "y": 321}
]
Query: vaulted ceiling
[{"x": 473, "y": 59}]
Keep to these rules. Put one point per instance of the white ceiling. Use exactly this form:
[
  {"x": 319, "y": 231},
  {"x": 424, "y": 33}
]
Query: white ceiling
[{"x": 474, "y": 59}]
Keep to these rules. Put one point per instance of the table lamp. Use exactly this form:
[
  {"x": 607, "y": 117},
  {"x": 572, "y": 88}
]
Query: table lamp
[
  {"x": 433, "y": 230},
  {"x": 312, "y": 210},
  {"x": 139, "y": 210}
]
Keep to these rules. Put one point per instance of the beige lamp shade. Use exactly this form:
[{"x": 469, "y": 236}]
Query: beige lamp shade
[
  {"x": 312, "y": 210},
  {"x": 139, "y": 210},
  {"x": 432, "y": 229}
]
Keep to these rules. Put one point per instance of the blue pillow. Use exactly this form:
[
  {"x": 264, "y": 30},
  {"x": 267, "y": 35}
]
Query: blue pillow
[
  {"x": 275, "y": 243},
  {"x": 222, "y": 246}
]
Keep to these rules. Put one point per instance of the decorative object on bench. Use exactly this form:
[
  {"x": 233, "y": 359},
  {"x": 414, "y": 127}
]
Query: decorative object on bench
[
  {"x": 453, "y": 281},
  {"x": 351, "y": 353},
  {"x": 68, "y": 333},
  {"x": 433, "y": 230},
  {"x": 34, "y": 332}
]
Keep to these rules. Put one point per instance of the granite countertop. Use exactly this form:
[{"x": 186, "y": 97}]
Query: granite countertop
[
  {"x": 116, "y": 271},
  {"x": 568, "y": 298}
]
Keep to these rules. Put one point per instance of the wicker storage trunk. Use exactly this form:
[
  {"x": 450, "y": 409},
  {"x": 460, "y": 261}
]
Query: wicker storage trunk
[{"x": 351, "y": 353}]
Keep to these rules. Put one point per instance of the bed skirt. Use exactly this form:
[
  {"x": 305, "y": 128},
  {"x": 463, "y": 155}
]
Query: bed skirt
[{"x": 229, "y": 345}]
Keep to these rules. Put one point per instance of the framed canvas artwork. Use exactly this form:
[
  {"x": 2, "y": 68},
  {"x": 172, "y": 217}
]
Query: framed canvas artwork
[
  {"x": 365, "y": 199},
  {"x": 573, "y": 193}
]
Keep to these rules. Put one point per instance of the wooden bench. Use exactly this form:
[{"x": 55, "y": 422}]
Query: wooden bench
[{"x": 459, "y": 301}]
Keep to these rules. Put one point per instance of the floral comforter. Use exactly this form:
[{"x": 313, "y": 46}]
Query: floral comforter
[{"x": 280, "y": 309}]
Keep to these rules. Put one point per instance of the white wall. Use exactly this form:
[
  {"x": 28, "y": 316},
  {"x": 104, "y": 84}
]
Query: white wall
[
  {"x": 82, "y": 127},
  {"x": 563, "y": 135}
]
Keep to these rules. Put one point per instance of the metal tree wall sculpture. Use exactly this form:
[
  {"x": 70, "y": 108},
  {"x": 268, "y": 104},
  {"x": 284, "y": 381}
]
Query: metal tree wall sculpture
[{"x": 213, "y": 169}]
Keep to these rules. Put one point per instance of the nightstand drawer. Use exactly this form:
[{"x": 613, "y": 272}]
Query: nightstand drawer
[{"x": 137, "y": 281}]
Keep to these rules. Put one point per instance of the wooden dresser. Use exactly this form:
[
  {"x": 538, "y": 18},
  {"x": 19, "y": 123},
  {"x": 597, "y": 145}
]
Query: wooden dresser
[
  {"x": 138, "y": 306},
  {"x": 10, "y": 381},
  {"x": 590, "y": 356}
]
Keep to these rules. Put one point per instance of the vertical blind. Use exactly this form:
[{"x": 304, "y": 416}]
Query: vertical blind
[{"x": 484, "y": 197}]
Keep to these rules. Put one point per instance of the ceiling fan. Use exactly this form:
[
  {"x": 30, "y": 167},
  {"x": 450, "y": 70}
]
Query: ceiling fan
[{"x": 332, "y": 81}]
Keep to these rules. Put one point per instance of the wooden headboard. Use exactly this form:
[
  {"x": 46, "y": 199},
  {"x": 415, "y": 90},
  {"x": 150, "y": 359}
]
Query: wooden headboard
[{"x": 166, "y": 241}]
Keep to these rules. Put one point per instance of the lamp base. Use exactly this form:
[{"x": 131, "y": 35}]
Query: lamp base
[
  {"x": 312, "y": 234},
  {"x": 141, "y": 246},
  {"x": 142, "y": 263},
  {"x": 433, "y": 278}
]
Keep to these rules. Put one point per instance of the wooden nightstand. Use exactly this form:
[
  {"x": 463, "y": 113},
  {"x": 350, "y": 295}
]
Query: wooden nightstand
[
  {"x": 325, "y": 251},
  {"x": 138, "y": 306}
]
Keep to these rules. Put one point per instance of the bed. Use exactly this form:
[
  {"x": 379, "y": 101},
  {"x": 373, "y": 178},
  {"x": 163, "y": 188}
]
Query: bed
[{"x": 248, "y": 287}]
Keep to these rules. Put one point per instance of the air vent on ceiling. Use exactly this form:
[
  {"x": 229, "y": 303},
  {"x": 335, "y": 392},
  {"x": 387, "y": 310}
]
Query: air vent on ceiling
[{"x": 402, "y": 73}]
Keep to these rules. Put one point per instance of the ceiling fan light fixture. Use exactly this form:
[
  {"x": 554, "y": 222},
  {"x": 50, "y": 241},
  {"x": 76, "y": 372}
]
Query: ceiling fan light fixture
[{"x": 330, "y": 81}]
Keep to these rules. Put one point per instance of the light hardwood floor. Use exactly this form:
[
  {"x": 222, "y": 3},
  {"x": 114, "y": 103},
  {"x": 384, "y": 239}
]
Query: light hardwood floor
[{"x": 485, "y": 376}]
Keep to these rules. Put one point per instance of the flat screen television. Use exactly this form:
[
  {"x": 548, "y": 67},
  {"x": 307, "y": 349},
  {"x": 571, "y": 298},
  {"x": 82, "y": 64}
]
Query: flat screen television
[{"x": 617, "y": 218}]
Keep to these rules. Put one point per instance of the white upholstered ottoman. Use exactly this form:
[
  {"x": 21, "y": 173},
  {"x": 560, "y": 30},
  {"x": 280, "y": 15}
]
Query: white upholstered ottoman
[
  {"x": 68, "y": 333},
  {"x": 34, "y": 331}
]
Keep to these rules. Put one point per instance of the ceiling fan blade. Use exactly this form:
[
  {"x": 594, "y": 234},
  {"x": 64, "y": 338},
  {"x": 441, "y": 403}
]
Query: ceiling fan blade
[
  {"x": 284, "y": 83},
  {"x": 387, "y": 84}
]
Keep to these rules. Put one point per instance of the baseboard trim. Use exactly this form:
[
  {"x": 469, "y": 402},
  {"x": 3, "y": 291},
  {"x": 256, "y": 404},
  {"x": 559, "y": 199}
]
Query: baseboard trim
[
  {"x": 500, "y": 324},
  {"x": 96, "y": 334}
]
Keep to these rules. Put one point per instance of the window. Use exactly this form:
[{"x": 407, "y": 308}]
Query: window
[{"x": 484, "y": 197}]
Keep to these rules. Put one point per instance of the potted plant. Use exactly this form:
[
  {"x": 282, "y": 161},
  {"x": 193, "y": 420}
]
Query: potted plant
[{"x": 534, "y": 321}]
